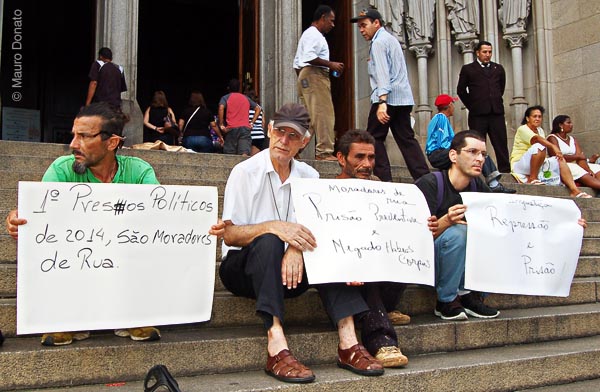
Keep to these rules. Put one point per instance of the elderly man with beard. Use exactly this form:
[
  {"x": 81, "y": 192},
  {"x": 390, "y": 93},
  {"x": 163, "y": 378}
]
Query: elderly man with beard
[
  {"x": 97, "y": 134},
  {"x": 356, "y": 157}
]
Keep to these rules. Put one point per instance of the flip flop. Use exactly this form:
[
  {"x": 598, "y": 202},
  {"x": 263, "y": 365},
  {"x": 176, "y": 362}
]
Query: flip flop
[
  {"x": 583, "y": 195},
  {"x": 535, "y": 182}
]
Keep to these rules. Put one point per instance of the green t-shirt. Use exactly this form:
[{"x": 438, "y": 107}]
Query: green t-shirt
[{"x": 132, "y": 170}]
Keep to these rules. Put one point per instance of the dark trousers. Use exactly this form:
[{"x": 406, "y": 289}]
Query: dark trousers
[
  {"x": 493, "y": 125},
  {"x": 255, "y": 272},
  {"x": 376, "y": 329},
  {"x": 404, "y": 136},
  {"x": 440, "y": 160}
]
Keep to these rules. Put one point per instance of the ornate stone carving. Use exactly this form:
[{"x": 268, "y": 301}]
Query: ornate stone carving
[
  {"x": 513, "y": 15},
  {"x": 419, "y": 19},
  {"x": 422, "y": 50},
  {"x": 516, "y": 40},
  {"x": 466, "y": 46},
  {"x": 464, "y": 17},
  {"x": 391, "y": 11}
]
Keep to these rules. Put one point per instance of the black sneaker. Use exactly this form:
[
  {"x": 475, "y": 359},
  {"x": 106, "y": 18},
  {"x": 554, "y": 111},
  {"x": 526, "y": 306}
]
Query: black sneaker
[
  {"x": 474, "y": 306},
  {"x": 450, "y": 310}
]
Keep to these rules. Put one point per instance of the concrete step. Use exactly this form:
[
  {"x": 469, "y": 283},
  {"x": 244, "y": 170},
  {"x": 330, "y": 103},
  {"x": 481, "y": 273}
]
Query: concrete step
[
  {"x": 578, "y": 386},
  {"x": 512, "y": 345},
  {"x": 587, "y": 266},
  {"x": 229, "y": 310},
  {"x": 491, "y": 369}
]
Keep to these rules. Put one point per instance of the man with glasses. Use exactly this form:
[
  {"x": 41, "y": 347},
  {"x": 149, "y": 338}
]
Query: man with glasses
[
  {"x": 263, "y": 245},
  {"x": 97, "y": 134},
  {"x": 442, "y": 192}
]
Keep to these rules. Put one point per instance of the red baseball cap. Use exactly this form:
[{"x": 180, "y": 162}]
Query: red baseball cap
[{"x": 445, "y": 100}]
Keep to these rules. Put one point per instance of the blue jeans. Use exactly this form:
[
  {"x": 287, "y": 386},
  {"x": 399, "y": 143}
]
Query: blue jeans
[
  {"x": 198, "y": 143},
  {"x": 450, "y": 251}
]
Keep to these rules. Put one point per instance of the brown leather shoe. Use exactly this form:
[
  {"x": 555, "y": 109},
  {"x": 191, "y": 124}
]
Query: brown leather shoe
[
  {"x": 358, "y": 360},
  {"x": 398, "y": 318},
  {"x": 285, "y": 367}
]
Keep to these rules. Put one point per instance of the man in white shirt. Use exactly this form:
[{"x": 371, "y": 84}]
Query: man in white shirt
[
  {"x": 263, "y": 245},
  {"x": 391, "y": 99},
  {"x": 312, "y": 66}
]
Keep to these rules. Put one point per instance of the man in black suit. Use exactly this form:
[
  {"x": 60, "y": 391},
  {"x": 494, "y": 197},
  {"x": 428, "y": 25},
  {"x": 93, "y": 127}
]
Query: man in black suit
[{"x": 480, "y": 87}]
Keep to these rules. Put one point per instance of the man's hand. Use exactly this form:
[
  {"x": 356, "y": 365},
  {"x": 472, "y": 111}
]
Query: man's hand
[
  {"x": 582, "y": 222},
  {"x": 292, "y": 267},
  {"x": 12, "y": 224},
  {"x": 456, "y": 214},
  {"x": 295, "y": 235},
  {"x": 218, "y": 229},
  {"x": 334, "y": 66},
  {"x": 433, "y": 224},
  {"x": 382, "y": 114}
]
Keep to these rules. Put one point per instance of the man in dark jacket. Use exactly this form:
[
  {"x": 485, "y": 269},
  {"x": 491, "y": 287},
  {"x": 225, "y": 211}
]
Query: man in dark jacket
[{"x": 480, "y": 87}]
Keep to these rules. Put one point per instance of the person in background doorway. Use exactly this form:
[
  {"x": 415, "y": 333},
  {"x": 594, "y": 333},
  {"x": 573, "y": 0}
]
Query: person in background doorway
[
  {"x": 107, "y": 80},
  {"x": 159, "y": 120},
  {"x": 195, "y": 123}
]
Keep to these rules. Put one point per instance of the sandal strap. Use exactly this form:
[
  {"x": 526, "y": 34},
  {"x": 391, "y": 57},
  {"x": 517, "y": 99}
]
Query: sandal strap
[
  {"x": 358, "y": 357},
  {"x": 284, "y": 364}
]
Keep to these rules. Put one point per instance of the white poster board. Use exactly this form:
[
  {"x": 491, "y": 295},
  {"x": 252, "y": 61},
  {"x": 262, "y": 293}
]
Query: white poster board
[
  {"x": 519, "y": 244},
  {"x": 107, "y": 256},
  {"x": 366, "y": 231}
]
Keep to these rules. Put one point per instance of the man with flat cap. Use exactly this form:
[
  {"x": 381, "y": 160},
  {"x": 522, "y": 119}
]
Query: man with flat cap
[
  {"x": 263, "y": 245},
  {"x": 391, "y": 99}
]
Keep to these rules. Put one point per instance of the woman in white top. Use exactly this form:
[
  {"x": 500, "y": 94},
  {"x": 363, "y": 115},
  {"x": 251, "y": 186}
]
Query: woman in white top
[
  {"x": 529, "y": 154},
  {"x": 586, "y": 174}
]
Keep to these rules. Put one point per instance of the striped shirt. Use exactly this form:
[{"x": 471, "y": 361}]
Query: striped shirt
[
  {"x": 257, "y": 128},
  {"x": 387, "y": 70}
]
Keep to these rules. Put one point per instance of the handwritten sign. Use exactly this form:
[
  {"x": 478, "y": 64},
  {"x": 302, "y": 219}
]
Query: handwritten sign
[
  {"x": 518, "y": 244},
  {"x": 104, "y": 256},
  {"x": 366, "y": 231}
]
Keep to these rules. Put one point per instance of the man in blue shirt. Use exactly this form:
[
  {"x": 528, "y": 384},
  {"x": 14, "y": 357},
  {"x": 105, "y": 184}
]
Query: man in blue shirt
[{"x": 391, "y": 99}]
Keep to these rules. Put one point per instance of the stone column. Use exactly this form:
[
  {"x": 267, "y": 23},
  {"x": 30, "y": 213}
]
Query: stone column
[
  {"x": 490, "y": 26},
  {"x": 423, "y": 111},
  {"x": 518, "y": 102},
  {"x": 444, "y": 49},
  {"x": 117, "y": 28}
]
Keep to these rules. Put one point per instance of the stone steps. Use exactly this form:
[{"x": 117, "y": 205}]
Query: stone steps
[
  {"x": 536, "y": 341},
  {"x": 517, "y": 337},
  {"x": 229, "y": 310}
]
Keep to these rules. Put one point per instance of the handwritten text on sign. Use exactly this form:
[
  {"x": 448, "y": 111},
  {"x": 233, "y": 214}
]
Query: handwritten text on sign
[
  {"x": 366, "y": 231},
  {"x": 102, "y": 256},
  {"x": 518, "y": 244}
]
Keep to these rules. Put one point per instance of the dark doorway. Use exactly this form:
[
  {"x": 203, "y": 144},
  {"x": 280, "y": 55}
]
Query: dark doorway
[
  {"x": 186, "y": 45},
  {"x": 340, "y": 49},
  {"x": 57, "y": 40}
]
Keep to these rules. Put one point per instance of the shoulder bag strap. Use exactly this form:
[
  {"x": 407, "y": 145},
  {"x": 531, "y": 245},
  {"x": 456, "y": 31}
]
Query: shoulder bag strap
[{"x": 188, "y": 120}]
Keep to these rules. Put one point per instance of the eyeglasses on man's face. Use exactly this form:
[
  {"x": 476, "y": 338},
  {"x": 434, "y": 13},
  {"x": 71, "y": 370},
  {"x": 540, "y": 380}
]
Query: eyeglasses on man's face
[
  {"x": 475, "y": 152},
  {"x": 293, "y": 135},
  {"x": 84, "y": 136}
]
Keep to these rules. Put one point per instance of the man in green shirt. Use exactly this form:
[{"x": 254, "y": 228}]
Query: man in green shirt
[{"x": 97, "y": 135}]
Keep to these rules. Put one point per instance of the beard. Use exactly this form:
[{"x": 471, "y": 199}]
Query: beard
[{"x": 79, "y": 167}]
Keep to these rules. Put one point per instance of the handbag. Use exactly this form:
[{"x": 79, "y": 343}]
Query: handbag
[
  {"x": 549, "y": 173},
  {"x": 170, "y": 125}
]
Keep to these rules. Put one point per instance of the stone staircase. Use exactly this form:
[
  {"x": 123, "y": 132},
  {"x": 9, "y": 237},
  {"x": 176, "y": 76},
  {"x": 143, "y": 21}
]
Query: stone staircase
[{"x": 536, "y": 342}]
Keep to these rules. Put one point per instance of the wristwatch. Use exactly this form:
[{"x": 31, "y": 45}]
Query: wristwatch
[{"x": 381, "y": 101}]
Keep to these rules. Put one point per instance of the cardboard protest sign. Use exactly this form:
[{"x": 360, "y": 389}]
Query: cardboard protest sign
[
  {"x": 104, "y": 256},
  {"x": 519, "y": 244},
  {"x": 366, "y": 231}
]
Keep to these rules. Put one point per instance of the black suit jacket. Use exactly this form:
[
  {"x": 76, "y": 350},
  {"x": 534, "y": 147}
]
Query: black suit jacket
[{"x": 482, "y": 92}]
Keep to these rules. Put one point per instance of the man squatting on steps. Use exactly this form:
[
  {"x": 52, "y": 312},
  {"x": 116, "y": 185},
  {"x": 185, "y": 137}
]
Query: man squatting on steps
[
  {"x": 356, "y": 156},
  {"x": 263, "y": 245},
  {"x": 467, "y": 154},
  {"x": 97, "y": 135}
]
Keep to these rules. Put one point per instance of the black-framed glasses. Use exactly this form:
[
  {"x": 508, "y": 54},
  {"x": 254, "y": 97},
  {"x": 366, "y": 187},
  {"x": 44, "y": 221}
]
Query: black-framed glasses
[{"x": 475, "y": 152}]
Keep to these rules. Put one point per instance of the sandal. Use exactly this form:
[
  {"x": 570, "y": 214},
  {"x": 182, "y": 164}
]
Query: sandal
[
  {"x": 583, "y": 195},
  {"x": 358, "y": 360},
  {"x": 535, "y": 182},
  {"x": 285, "y": 367},
  {"x": 158, "y": 377}
]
